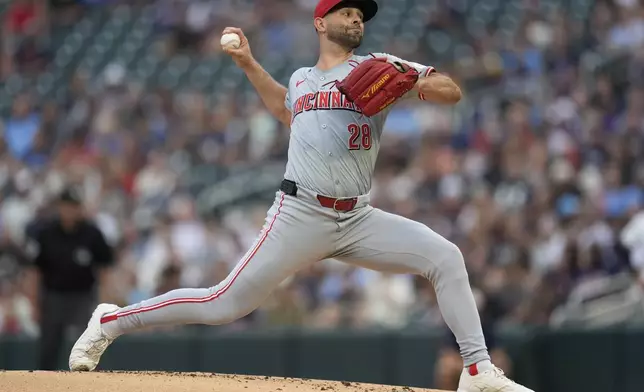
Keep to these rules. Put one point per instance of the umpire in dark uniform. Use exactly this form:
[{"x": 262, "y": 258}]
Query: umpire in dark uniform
[{"x": 69, "y": 251}]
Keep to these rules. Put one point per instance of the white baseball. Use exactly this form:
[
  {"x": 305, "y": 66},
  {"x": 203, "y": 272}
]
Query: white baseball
[{"x": 230, "y": 40}]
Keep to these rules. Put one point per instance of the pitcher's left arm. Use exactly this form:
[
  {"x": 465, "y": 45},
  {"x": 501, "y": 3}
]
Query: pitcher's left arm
[
  {"x": 432, "y": 86},
  {"x": 437, "y": 88}
]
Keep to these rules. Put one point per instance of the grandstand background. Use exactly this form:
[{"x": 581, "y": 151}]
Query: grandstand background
[{"x": 537, "y": 174}]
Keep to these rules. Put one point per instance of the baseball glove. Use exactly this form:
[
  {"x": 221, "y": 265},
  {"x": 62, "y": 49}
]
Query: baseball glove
[{"x": 376, "y": 83}]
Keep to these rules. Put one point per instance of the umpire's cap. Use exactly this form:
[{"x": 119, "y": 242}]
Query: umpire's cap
[
  {"x": 369, "y": 8},
  {"x": 70, "y": 195}
]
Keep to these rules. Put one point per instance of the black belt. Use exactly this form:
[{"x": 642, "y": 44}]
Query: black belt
[{"x": 342, "y": 204}]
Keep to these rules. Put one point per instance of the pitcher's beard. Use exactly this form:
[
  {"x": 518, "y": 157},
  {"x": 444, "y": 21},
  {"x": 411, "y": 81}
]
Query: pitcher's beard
[{"x": 345, "y": 38}]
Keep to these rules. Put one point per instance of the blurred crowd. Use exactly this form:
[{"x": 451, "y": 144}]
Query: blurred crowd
[{"x": 540, "y": 181}]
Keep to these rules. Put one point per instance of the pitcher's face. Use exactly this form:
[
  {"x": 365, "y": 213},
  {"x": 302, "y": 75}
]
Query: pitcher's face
[{"x": 345, "y": 27}]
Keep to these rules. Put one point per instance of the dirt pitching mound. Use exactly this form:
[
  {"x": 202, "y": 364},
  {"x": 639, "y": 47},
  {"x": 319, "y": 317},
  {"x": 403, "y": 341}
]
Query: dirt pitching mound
[{"x": 175, "y": 382}]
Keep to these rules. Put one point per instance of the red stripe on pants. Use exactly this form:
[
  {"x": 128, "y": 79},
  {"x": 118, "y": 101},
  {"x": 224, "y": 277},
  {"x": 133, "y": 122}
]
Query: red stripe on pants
[{"x": 212, "y": 297}]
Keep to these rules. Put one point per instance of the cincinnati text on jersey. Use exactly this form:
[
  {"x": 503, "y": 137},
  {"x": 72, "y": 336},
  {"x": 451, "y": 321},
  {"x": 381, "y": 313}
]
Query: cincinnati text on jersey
[{"x": 323, "y": 100}]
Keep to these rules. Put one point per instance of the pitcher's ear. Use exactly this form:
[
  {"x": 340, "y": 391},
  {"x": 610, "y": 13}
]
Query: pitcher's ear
[{"x": 320, "y": 25}]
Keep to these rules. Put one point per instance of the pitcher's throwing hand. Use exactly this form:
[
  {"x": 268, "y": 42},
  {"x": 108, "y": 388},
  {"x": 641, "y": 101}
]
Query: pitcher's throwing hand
[{"x": 242, "y": 55}]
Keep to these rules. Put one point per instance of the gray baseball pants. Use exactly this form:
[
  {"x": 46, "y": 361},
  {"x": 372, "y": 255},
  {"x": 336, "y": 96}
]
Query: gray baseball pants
[{"x": 299, "y": 231}]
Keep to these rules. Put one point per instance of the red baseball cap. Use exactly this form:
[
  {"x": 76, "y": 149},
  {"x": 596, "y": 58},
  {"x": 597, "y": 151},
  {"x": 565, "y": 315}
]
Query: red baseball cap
[{"x": 369, "y": 8}]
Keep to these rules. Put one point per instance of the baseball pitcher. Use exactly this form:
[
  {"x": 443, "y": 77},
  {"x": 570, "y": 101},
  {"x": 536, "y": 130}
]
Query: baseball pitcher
[{"x": 336, "y": 110}]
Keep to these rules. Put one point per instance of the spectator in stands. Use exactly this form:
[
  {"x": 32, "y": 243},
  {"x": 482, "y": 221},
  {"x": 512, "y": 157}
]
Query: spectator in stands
[
  {"x": 22, "y": 127},
  {"x": 17, "y": 316},
  {"x": 23, "y": 17},
  {"x": 24, "y": 23},
  {"x": 16, "y": 311}
]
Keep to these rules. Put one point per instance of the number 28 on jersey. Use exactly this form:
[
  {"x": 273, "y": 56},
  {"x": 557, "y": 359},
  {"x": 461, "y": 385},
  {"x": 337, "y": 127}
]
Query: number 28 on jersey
[{"x": 359, "y": 137}]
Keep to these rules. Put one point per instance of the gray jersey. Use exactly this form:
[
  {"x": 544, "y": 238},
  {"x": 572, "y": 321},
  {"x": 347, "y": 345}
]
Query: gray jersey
[{"x": 333, "y": 146}]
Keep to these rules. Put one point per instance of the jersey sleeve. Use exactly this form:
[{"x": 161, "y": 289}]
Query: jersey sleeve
[
  {"x": 287, "y": 100},
  {"x": 424, "y": 70}
]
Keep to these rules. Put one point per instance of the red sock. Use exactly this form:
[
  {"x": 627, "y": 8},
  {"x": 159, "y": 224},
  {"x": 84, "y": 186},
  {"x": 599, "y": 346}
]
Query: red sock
[
  {"x": 476, "y": 368},
  {"x": 473, "y": 370}
]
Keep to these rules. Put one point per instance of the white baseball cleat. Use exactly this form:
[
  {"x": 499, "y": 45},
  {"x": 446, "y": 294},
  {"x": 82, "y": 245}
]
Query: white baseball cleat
[
  {"x": 492, "y": 380},
  {"x": 89, "y": 347}
]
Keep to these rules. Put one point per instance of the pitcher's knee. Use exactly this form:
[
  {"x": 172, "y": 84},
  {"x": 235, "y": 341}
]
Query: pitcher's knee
[
  {"x": 227, "y": 308},
  {"x": 449, "y": 263}
]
